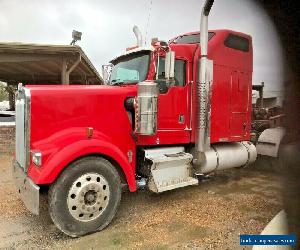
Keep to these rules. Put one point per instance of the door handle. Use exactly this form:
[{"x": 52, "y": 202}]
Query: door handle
[{"x": 181, "y": 119}]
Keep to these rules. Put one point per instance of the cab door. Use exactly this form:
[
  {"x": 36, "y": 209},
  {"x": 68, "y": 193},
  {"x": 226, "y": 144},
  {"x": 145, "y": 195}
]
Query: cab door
[
  {"x": 174, "y": 103},
  {"x": 240, "y": 97}
]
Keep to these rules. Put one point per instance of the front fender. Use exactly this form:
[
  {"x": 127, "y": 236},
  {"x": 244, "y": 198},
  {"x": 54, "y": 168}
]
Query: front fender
[{"x": 61, "y": 159}]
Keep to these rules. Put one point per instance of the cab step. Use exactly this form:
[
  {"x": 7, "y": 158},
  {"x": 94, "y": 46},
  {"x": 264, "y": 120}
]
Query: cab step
[{"x": 171, "y": 168}]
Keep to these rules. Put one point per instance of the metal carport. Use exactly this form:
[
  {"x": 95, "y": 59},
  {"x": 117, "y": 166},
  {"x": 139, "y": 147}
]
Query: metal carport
[{"x": 46, "y": 64}]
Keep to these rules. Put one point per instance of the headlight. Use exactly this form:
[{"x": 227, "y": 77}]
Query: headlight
[{"x": 37, "y": 158}]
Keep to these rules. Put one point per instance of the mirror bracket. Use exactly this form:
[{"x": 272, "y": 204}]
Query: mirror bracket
[
  {"x": 106, "y": 72},
  {"x": 169, "y": 65}
]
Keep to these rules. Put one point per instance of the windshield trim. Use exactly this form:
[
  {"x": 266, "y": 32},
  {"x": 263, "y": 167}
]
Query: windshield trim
[{"x": 137, "y": 50}]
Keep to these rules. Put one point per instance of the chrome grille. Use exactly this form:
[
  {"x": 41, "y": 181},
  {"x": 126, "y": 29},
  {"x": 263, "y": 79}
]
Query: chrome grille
[{"x": 23, "y": 127}]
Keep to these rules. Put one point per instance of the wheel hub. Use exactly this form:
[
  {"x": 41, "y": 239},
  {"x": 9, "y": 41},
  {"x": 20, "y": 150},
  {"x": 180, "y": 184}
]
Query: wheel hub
[{"x": 88, "y": 197}]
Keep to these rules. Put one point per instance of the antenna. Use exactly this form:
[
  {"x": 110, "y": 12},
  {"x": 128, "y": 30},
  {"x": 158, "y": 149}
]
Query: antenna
[{"x": 148, "y": 21}]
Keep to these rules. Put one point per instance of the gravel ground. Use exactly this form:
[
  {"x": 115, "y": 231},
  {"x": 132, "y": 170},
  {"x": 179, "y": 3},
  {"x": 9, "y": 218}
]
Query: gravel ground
[{"x": 208, "y": 216}]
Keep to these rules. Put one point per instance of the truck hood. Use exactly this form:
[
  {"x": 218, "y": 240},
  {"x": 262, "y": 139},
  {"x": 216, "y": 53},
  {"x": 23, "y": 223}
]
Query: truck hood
[
  {"x": 103, "y": 89},
  {"x": 60, "y": 116}
]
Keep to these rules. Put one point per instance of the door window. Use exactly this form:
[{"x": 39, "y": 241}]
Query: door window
[{"x": 179, "y": 76}]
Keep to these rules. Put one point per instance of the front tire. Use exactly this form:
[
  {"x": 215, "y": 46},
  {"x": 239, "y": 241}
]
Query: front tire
[{"x": 85, "y": 197}]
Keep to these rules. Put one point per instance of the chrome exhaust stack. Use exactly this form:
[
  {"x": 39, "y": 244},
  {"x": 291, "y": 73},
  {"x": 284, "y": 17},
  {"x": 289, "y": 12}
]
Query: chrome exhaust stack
[
  {"x": 207, "y": 157},
  {"x": 138, "y": 35},
  {"x": 205, "y": 75}
]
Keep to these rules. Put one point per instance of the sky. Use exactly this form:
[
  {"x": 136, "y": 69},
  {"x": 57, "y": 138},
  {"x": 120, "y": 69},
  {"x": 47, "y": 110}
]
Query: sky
[{"x": 107, "y": 27}]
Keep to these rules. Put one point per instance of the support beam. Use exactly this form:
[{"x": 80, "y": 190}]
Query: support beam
[
  {"x": 17, "y": 68},
  {"x": 19, "y": 57},
  {"x": 64, "y": 78},
  {"x": 30, "y": 78},
  {"x": 42, "y": 68},
  {"x": 261, "y": 95},
  {"x": 74, "y": 65},
  {"x": 65, "y": 73}
]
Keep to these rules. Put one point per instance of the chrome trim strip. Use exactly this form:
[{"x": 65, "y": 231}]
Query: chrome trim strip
[
  {"x": 23, "y": 103},
  {"x": 27, "y": 126},
  {"x": 138, "y": 49}
]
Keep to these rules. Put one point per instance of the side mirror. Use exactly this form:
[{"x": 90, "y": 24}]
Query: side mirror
[
  {"x": 106, "y": 72},
  {"x": 169, "y": 65}
]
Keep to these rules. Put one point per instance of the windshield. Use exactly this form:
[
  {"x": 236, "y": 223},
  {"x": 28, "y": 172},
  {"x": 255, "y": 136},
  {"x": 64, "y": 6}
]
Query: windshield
[{"x": 130, "y": 69}]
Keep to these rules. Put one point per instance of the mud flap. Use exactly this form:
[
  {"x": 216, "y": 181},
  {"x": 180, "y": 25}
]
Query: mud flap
[{"x": 269, "y": 141}]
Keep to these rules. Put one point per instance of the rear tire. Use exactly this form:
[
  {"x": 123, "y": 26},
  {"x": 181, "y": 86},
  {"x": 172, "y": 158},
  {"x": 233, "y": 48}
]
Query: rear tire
[{"x": 85, "y": 197}]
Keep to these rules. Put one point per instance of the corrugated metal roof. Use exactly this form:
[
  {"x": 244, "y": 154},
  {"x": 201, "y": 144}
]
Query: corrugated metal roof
[{"x": 42, "y": 64}]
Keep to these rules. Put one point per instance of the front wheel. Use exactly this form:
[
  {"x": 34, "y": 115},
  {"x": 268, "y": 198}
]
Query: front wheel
[{"x": 85, "y": 197}]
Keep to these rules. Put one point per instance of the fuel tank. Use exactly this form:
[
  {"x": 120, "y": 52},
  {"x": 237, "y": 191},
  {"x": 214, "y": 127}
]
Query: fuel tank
[
  {"x": 227, "y": 155},
  {"x": 146, "y": 116}
]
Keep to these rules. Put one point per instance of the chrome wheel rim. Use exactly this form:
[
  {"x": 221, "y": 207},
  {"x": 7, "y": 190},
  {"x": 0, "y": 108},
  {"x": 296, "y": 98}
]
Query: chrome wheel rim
[{"x": 88, "y": 197}]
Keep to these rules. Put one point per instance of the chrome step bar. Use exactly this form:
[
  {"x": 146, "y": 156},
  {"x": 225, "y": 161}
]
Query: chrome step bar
[{"x": 171, "y": 168}]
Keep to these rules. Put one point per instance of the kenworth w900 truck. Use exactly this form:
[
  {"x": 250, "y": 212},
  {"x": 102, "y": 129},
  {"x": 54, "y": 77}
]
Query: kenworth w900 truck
[{"x": 169, "y": 114}]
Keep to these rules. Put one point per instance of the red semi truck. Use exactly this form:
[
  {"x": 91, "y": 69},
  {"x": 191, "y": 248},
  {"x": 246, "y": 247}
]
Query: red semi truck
[{"x": 171, "y": 112}]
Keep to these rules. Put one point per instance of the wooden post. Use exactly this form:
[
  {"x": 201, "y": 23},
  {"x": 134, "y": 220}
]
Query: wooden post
[
  {"x": 261, "y": 95},
  {"x": 64, "y": 75}
]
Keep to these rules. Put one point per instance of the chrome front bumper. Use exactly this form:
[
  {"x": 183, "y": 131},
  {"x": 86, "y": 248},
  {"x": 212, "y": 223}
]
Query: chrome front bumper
[{"x": 29, "y": 192}]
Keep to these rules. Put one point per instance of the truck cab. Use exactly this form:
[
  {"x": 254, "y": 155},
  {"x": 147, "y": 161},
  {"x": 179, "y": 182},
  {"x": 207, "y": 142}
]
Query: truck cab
[{"x": 232, "y": 55}]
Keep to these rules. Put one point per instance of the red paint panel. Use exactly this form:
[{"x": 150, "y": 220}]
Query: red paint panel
[
  {"x": 220, "y": 104},
  {"x": 239, "y": 105},
  {"x": 230, "y": 100},
  {"x": 171, "y": 106}
]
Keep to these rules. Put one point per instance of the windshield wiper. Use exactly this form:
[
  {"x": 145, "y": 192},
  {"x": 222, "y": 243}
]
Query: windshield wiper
[
  {"x": 116, "y": 82},
  {"x": 124, "y": 82}
]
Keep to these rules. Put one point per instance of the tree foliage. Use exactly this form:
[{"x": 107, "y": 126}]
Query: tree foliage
[{"x": 3, "y": 92}]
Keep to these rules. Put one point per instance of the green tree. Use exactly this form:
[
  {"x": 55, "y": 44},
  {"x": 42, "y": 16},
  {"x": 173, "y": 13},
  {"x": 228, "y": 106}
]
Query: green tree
[{"x": 3, "y": 92}]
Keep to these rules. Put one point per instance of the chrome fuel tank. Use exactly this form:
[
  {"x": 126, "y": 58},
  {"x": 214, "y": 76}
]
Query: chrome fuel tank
[{"x": 146, "y": 110}]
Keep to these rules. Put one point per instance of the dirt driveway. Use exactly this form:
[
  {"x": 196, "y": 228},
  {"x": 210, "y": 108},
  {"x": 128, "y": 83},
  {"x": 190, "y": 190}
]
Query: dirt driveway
[{"x": 208, "y": 216}]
